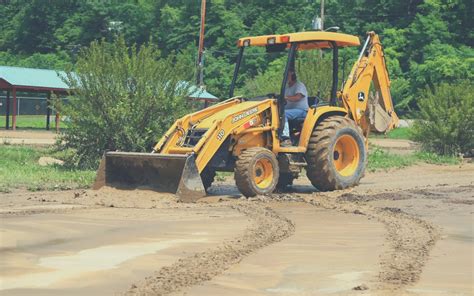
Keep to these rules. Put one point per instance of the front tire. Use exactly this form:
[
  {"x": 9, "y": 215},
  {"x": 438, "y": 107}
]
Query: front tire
[
  {"x": 336, "y": 154},
  {"x": 256, "y": 172}
]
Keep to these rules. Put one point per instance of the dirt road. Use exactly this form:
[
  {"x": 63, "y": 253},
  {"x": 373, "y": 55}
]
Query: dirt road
[
  {"x": 407, "y": 232},
  {"x": 27, "y": 137}
]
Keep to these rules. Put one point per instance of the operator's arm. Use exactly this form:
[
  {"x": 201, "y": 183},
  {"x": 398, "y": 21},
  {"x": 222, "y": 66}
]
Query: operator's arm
[
  {"x": 294, "y": 98},
  {"x": 300, "y": 93}
]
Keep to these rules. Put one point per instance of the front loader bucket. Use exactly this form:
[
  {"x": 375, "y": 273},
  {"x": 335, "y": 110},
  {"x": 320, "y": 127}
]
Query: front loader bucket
[{"x": 163, "y": 172}]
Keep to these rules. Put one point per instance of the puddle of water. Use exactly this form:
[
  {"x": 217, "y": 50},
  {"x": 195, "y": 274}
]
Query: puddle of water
[{"x": 85, "y": 261}]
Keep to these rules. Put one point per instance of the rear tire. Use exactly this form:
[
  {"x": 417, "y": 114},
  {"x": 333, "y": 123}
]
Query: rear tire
[
  {"x": 336, "y": 154},
  {"x": 256, "y": 172}
]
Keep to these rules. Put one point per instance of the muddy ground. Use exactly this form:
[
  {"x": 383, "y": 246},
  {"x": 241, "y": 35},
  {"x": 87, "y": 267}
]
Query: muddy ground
[{"x": 402, "y": 232}]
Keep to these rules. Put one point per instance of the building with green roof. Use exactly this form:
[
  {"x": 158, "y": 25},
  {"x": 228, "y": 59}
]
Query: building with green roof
[
  {"x": 17, "y": 79},
  {"x": 43, "y": 83}
]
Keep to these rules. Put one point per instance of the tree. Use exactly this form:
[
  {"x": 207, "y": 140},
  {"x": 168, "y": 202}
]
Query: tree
[
  {"x": 442, "y": 63},
  {"x": 425, "y": 42},
  {"x": 123, "y": 98}
]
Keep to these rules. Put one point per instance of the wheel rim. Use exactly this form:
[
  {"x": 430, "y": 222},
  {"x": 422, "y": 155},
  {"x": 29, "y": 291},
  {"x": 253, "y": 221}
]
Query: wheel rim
[
  {"x": 263, "y": 173},
  {"x": 346, "y": 155}
]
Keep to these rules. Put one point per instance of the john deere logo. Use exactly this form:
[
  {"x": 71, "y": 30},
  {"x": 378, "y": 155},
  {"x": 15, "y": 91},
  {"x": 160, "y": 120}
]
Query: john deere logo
[
  {"x": 244, "y": 114},
  {"x": 361, "y": 96}
]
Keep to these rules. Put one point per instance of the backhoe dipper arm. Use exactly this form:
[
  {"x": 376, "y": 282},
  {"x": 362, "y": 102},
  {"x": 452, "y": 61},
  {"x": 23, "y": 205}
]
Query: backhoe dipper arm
[{"x": 369, "y": 67}]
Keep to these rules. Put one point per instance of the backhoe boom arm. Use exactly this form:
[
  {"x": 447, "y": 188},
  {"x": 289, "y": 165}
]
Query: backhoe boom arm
[{"x": 370, "y": 68}]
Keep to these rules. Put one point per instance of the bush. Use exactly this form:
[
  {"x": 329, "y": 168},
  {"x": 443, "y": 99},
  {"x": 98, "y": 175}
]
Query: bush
[
  {"x": 446, "y": 119},
  {"x": 124, "y": 98}
]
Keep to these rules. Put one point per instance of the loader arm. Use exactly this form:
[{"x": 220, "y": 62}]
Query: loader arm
[
  {"x": 219, "y": 124},
  {"x": 369, "y": 68}
]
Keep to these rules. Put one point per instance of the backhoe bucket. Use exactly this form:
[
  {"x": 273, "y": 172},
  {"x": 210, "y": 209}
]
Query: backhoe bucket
[{"x": 162, "y": 172}]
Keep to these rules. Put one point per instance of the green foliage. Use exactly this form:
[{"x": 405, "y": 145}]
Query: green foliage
[
  {"x": 311, "y": 68},
  {"x": 124, "y": 99},
  {"x": 404, "y": 133},
  {"x": 380, "y": 159},
  {"x": 56, "y": 61},
  {"x": 426, "y": 42},
  {"x": 402, "y": 96},
  {"x": 446, "y": 124},
  {"x": 443, "y": 63},
  {"x": 316, "y": 73},
  {"x": 19, "y": 168},
  {"x": 434, "y": 158},
  {"x": 265, "y": 83}
]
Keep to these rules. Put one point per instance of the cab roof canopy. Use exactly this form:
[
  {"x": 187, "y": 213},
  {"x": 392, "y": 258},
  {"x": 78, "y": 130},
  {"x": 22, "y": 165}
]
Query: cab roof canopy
[{"x": 307, "y": 40}]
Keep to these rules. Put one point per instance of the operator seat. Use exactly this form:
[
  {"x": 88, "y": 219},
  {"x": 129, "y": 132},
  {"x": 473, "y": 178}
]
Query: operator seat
[{"x": 296, "y": 125}]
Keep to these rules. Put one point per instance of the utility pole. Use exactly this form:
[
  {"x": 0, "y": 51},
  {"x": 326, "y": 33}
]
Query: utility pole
[
  {"x": 200, "y": 62},
  {"x": 322, "y": 15},
  {"x": 318, "y": 23}
]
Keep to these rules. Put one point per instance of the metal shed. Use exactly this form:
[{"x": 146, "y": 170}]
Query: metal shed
[
  {"x": 14, "y": 79},
  {"x": 201, "y": 94}
]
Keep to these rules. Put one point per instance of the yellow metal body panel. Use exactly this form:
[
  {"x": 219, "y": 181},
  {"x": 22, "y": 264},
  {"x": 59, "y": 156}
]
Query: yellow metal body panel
[
  {"x": 316, "y": 39},
  {"x": 249, "y": 140},
  {"x": 209, "y": 121},
  {"x": 312, "y": 117},
  {"x": 177, "y": 131}
]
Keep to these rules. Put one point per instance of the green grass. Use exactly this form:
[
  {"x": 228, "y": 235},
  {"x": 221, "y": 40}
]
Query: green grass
[
  {"x": 434, "y": 158},
  {"x": 398, "y": 133},
  {"x": 380, "y": 159},
  {"x": 222, "y": 176},
  {"x": 19, "y": 168},
  {"x": 31, "y": 122}
]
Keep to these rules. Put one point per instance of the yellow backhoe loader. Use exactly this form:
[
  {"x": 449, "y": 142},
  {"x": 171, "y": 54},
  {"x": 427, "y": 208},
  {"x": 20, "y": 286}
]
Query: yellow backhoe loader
[{"x": 243, "y": 135}]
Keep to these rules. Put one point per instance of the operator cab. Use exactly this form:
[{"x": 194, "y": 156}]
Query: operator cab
[{"x": 312, "y": 68}]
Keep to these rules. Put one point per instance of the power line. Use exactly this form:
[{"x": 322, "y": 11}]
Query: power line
[
  {"x": 358, "y": 15},
  {"x": 229, "y": 53}
]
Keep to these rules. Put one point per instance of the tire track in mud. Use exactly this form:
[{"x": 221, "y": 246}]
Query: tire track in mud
[
  {"x": 409, "y": 238},
  {"x": 266, "y": 227}
]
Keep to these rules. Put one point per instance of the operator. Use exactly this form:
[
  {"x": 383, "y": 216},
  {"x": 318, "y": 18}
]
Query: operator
[{"x": 296, "y": 97}]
